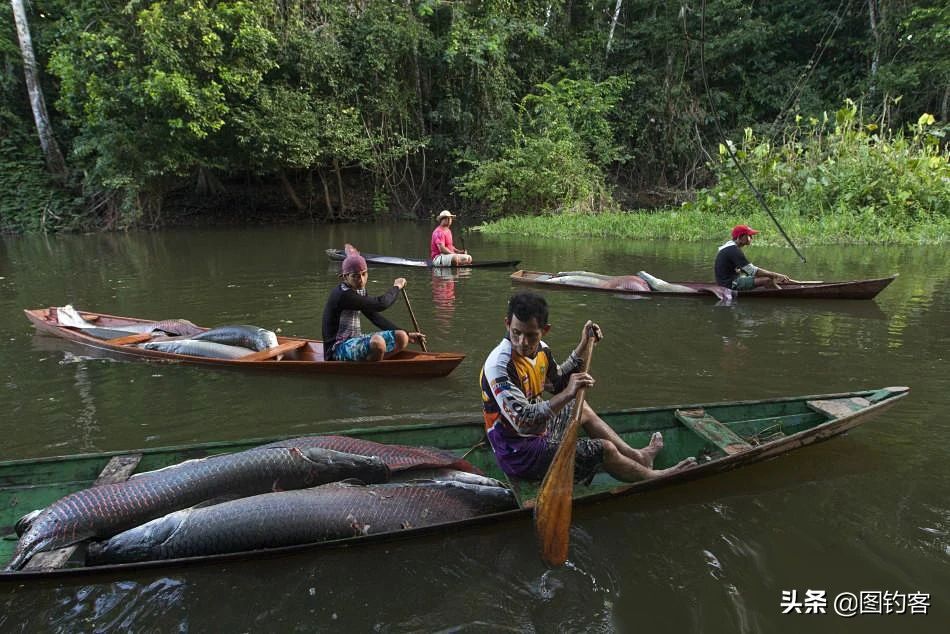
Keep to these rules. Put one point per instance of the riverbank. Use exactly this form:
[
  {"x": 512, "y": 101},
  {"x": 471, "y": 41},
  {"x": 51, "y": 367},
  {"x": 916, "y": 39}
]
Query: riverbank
[{"x": 694, "y": 225}]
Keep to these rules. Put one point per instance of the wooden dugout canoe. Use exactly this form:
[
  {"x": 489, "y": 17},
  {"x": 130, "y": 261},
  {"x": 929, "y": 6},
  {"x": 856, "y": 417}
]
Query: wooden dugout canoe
[
  {"x": 722, "y": 436},
  {"x": 338, "y": 255},
  {"x": 854, "y": 289},
  {"x": 298, "y": 354}
]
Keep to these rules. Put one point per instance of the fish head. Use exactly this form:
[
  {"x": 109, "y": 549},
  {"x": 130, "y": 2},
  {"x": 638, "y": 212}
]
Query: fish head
[{"x": 269, "y": 338}]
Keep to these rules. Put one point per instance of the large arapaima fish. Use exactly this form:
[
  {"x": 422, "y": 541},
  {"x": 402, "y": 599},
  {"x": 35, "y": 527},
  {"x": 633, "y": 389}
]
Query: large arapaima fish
[
  {"x": 271, "y": 520},
  {"x": 253, "y": 337},
  {"x": 197, "y": 348},
  {"x": 396, "y": 457},
  {"x": 102, "y": 511}
]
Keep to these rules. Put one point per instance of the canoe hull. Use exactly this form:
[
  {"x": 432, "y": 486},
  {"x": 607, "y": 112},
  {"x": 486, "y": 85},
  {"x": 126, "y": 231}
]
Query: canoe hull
[
  {"x": 28, "y": 484},
  {"x": 337, "y": 255},
  {"x": 308, "y": 357},
  {"x": 855, "y": 289}
]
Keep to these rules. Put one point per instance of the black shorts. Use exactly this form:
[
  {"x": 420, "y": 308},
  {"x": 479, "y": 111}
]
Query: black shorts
[{"x": 589, "y": 455}]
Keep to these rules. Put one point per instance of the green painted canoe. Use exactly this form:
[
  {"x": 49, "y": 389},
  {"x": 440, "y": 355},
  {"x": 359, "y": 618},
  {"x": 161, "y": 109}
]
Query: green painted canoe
[{"x": 721, "y": 436}]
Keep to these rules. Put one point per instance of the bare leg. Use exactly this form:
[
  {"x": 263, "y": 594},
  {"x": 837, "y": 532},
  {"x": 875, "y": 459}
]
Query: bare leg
[
  {"x": 627, "y": 470},
  {"x": 462, "y": 259},
  {"x": 595, "y": 427},
  {"x": 402, "y": 340},
  {"x": 620, "y": 459},
  {"x": 377, "y": 348}
]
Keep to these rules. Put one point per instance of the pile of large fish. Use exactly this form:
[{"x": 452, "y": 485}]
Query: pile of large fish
[
  {"x": 223, "y": 342},
  {"x": 180, "y": 336},
  {"x": 281, "y": 494}
]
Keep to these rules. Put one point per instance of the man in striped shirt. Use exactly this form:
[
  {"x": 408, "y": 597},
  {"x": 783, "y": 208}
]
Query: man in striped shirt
[{"x": 525, "y": 430}]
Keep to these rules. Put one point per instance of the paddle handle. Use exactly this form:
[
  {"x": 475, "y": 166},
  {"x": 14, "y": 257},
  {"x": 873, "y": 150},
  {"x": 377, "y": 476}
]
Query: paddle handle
[
  {"x": 553, "y": 509},
  {"x": 412, "y": 316}
]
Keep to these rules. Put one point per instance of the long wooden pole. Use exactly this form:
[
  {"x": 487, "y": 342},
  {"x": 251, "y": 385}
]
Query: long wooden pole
[
  {"x": 552, "y": 512},
  {"x": 415, "y": 324}
]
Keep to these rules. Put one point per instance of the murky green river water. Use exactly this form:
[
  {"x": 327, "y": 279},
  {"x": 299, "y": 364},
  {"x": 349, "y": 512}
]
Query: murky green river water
[{"x": 869, "y": 511}]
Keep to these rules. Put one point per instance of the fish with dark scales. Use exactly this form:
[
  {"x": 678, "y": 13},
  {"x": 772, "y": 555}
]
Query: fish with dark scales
[
  {"x": 272, "y": 520},
  {"x": 396, "y": 457},
  {"x": 102, "y": 511}
]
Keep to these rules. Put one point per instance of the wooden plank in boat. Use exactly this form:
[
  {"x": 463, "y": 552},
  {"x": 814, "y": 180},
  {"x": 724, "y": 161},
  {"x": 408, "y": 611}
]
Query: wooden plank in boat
[
  {"x": 138, "y": 337},
  {"x": 839, "y": 407},
  {"x": 118, "y": 469},
  {"x": 712, "y": 430},
  {"x": 270, "y": 353}
]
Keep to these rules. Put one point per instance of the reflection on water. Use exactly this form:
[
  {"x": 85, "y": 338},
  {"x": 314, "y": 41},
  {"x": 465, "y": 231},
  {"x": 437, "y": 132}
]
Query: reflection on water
[
  {"x": 443, "y": 293},
  {"x": 86, "y": 418},
  {"x": 866, "y": 511}
]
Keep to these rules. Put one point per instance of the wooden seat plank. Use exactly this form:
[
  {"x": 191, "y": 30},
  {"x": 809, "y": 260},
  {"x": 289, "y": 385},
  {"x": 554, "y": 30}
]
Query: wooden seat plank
[
  {"x": 839, "y": 407},
  {"x": 270, "y": 353},
  {"x": 118, "y": 469},
  {"x": 138, "y": 337},
  {"x": 712, "y": 430}
]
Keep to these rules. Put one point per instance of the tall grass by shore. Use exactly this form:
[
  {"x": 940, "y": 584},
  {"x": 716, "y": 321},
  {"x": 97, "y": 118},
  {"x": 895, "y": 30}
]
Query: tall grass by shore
[{"x": 690, "y": 225}]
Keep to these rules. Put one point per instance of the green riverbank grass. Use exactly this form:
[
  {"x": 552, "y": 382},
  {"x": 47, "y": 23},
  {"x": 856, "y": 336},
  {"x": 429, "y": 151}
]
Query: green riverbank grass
[{"x": 696, "y": 225}]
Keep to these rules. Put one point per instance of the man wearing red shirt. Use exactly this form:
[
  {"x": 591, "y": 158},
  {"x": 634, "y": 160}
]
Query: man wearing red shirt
[{"x": 441, "y": 250}]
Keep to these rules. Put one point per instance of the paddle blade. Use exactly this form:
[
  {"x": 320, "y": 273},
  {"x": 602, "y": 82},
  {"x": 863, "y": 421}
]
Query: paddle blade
[{"x": 552, "y": 512}]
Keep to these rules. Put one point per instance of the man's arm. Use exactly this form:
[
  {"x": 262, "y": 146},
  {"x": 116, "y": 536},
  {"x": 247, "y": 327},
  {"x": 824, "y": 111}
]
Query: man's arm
[
  {"x": 528, "y": 419},
  {"x": 778, "y": 277},
  {"x": 381, "y": 322},
  {"x": 351, "y": 300}
]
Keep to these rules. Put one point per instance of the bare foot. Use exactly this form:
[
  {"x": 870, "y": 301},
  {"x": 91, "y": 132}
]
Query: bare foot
[
  {"x": 649, "y": 452},
  {"x": 682, "y": 465}
]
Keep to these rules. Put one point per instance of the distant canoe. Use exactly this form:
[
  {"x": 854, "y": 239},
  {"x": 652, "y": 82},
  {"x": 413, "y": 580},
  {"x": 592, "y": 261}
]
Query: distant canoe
[
  {"x": 855, "y": 289},
  {"x": 721, "y": 436},
  {"x": 296, "y": 354},
  {"x": 338, "y": 255}
]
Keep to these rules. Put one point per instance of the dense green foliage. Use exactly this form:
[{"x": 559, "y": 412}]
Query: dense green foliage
[
  {"x": 350, "y": 108},
  {"x": 842, "y": 169}
]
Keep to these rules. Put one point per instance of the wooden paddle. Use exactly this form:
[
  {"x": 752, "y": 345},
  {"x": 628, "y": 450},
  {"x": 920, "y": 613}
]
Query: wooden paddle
[
  {"x": 552, "y": 511},
  {"x": 412, "y": 316}
]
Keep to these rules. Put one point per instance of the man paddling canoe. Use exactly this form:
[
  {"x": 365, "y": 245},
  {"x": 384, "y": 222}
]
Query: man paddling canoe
[
  {"x": 524, "y": 429},
  {"x": 343, "y": 339},
  {"x": 441, "y": 249},
  {"x": 733, "y": 269}
]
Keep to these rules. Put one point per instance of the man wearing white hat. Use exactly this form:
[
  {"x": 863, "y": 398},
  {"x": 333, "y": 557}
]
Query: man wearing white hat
[{"x": 441, "y": 250}]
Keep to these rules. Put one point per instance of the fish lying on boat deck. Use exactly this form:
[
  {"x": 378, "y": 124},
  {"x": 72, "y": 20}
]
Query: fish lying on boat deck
[
  {"x": 271, "y": 520},
  {"x": 197, "y": 348},
  {"x": 396, "y": 457},
  {"x": 252, "y": 337},
  {"x": 104, "y": 510},
  {"x": 446, "y": 475}
]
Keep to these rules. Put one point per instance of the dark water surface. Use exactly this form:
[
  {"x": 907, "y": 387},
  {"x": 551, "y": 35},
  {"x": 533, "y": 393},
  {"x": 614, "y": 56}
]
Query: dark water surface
[{"x": 869, "y": 511}]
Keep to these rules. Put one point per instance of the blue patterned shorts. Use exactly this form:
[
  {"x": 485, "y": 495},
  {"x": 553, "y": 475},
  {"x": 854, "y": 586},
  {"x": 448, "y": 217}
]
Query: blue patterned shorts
[{"x": 357, "y": 348}]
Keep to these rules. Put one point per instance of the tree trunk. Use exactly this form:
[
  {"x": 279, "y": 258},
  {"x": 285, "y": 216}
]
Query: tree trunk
[
  {"x": 326, "y": 194},
  {"x": 339, "y": 186},
  {"x": 613, "y": 25},
  {"x": 873, "y": 16},
  {"x": 54, "y": 158},
  {"x": 289, "y": 188}
]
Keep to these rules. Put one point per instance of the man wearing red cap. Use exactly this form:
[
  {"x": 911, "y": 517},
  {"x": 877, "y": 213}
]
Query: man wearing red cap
[
  {"x": 733, "y": 269},
  {"x": 343, "y": 339},
  {"x": 441, "y": 250}
]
